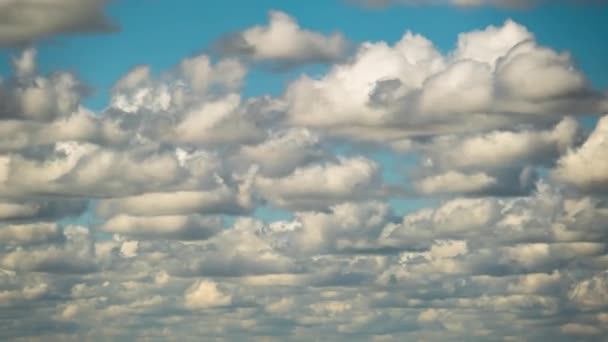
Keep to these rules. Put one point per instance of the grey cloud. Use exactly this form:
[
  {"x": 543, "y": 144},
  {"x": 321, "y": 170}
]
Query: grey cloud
[
  {"x": 318, "y": 186},
  {"x": 164, "y": 227},
  {"x": 32, "y": 97},
  {"x": 26, "y": 21},
  {"x": 586, "y": 167}
]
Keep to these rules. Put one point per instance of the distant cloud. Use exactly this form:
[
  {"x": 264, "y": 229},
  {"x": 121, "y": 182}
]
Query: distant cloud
[
  {"x": 25, "y": 21},
  {"x": 284, "y": 44}
]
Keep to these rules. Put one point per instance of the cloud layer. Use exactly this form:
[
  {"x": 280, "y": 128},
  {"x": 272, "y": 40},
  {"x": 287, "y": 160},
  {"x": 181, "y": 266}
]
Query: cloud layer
[{"x": 143, "y": 220}]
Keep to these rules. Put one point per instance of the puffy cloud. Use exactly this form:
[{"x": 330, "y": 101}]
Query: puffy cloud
[
  {"x": 455, "y": 182},
  {"x": 22, "y": 22},
  {"x": 76, "y": 255},
  {"x": 283, "y": 152},
  {"x": 30, "y": 234},
  {"x": 508, "y": 78},
  {"x": 498, "y": 162},
  {"x": 348, "y": 227},
  {"x": 320, "y": 185},
  {"x": 284, "y": 43},
  {"x": 195, "y": 105},
  {"x": 502, "y": 149},
  {"x": 587, "y": 166},
  {"x": 236, "y": 252},
  {"x": 18, "y": 210},
  {"x": 206, "y": 294},
  {"x": 220, "y": 200},
  {"x": 27, "y": 293},
  {"x": 592, "y": 292},
  {"x": 164, "y": 227},
  {"x": 32, "y": 97},
  {"x": 37, "y": 111},
  {"x": 82, "y": 169}
]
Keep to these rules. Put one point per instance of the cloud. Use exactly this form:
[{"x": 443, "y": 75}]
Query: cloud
[
  {"x": 591, "y": 293},
  {"x": 220, "y": 200},
  {"x": 30, "y": 234},
  {"x": 170, "y": 182},
  {"x": 75, "y": 255},
  {"x": 455, "y": 182},
  {"x": 347, "y": 228},
  {"x": 25, "y": 21},
  {"x": 498, "y": 162},
  {"x": 38, "y": 98},
  {"x": 283, "y": 152},
  {"x": 164, "y": 227},
  {"x": 284, "y": 44},
  {"x": 586, "y": 167},
  {"x": 509, "y": 80},
  {"x": 237, "y": 252},
  {"x": 317, "y": 186},
  {"x": 206, "y": 294}
]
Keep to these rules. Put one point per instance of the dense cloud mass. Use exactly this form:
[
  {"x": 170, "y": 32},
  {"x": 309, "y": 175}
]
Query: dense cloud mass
[{"x": 142, "y": 220}]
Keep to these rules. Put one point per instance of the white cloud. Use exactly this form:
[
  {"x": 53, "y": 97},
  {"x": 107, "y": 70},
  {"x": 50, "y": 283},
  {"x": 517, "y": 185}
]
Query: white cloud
[
  {"x": 206, "y": 294},
  {"x": 408, "y": 89},
  {"x": 320, "y": 185},
  {"x": 455, "y": 182},
  {"x": 284, "y": 42},
  {"x": 220, "y": 200},
  {"x": 25, "y": 234},
  {"x": 587, "y": 167},
  {"x": 164, "y": 227}
]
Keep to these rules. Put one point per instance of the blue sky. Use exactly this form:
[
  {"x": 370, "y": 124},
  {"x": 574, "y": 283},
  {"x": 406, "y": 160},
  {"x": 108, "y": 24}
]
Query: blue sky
[{"x": 304, "y": 170}]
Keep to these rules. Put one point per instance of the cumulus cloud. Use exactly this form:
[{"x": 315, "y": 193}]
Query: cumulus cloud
[
  {"x": 586, "y": 167},
  {"x": 509, "y": 80},
  {"x": 33, "y": 97},
  {"x": 206, "y": 294},
  {"x": 30, "y": 234},
  {"x": 75, "y": 255},
  {"x": 164, "y": 227},
  {"x": 183, "y": 200},
  {"x": 320, "y": 185},
  {"x": 284, "y": 43},
  {"x": 24, "y": 22},
  {"x": 498, "y": 162}
]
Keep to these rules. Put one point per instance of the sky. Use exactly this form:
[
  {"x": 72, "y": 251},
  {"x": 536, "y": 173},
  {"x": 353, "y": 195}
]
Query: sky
[{"x": 362, "y": 170}]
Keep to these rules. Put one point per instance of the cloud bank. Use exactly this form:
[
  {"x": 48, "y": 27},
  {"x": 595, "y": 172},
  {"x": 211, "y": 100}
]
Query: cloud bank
[{"x": 142, "y": 220}]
